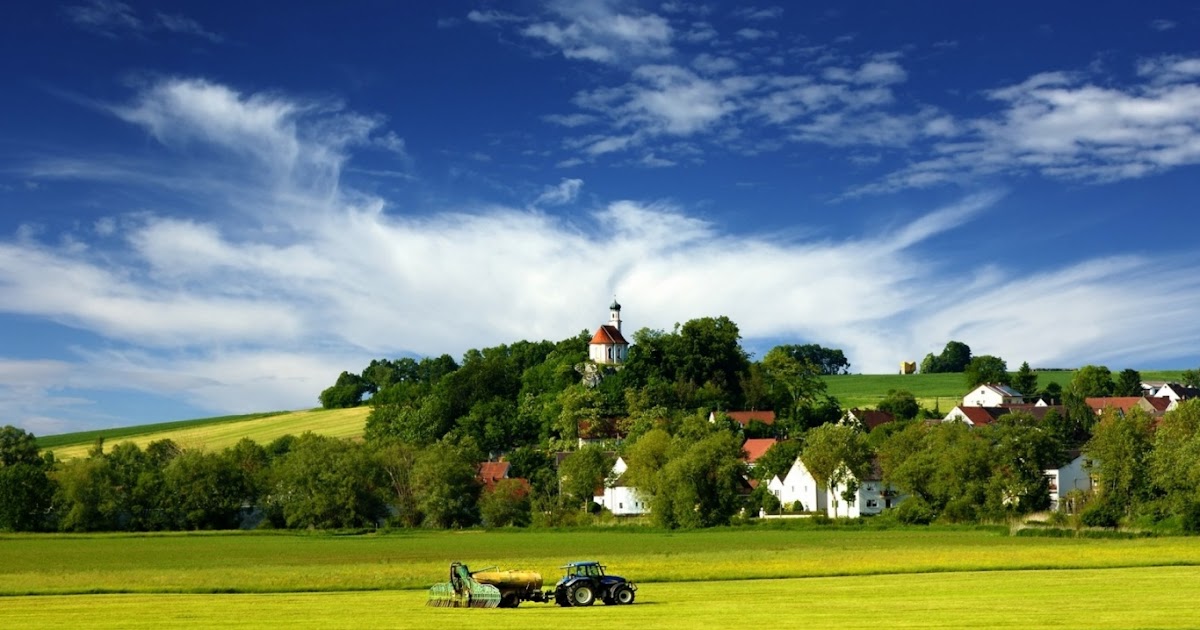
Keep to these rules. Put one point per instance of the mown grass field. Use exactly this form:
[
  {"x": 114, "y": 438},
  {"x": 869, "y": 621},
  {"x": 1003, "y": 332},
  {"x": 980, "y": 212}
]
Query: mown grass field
[
  {"x": 218, "y": 433},
  {"x": 821, "y": 577}
]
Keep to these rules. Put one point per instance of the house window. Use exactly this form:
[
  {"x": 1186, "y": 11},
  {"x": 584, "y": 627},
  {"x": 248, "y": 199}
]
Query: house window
[
  {"x": 620, "y": 506},
  {"x": 872, "y": 503}
]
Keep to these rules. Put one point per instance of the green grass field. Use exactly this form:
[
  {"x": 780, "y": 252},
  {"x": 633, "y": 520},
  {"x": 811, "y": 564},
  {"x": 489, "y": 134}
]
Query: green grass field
[
  {"x": 218, "y": 433},
  {"x": 821, "y": 577}
]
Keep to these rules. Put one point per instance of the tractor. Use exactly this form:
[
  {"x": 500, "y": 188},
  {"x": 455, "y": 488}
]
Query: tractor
[{"x": 584, "y": 582}]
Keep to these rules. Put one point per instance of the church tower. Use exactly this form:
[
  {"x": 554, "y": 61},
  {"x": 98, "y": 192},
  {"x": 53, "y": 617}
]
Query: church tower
[{"x": 608, "y": 345}]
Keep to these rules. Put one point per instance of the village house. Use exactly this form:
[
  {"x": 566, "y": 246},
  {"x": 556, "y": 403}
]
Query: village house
[
  {"x": 871, "y": 496},
  {"x": 755, "y": 448},
  {"x": 992, "y": 396},
  {"x": 1070, "y": 475},
  {"x": 1155, "y": 406},
  {"x": 798, "y": 485},
  {"x": 1177, "y": 392},
  {"x": 618, "y": 497},
  {"x": 981, "y": 416},
  {"x": 866, "y": 419},
  {"x": 744, "y": 418}
]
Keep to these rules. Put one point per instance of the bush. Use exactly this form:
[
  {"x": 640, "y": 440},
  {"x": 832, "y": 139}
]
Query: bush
[
  {"x": 1102, "y": 513},
  {"x": 914, "y": 511},
  {"x": 1189, "y": 519}
]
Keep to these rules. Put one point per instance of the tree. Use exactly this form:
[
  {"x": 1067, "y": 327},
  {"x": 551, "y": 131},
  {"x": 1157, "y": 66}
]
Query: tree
[
  {"x": 954, "y": 358},
  {"x": 900, "y": 403},
  {"x": 808, "y": 401},
  {"x": 1092, "y": 381},
  {"x": 583, "y": 472},
  {"x": 1026, "y": 381},
  {"x": 26, "y": 490},
  {"x": 506, "y": 504},
  {"x": 1120, "y": 449},
  {"x": 348, "y": 391},
  {"x": 1052, "y": 393},
  {"x": 1129, "y": 383},
  {"x": 985, "y": 369},
  {"x": 829, "y": 361},
  {"x": 1021, "y": 449},
  {"x": 1191, "y": 378},
  {"x": 778, "y": 459},
  {"x": 325, "y": 483},
  {"x": 447, "y": 489},
  {"x": 834, "y": 455},
  {"x": 207, "y": 490},
  {"x": 700, "y": 485},
  {"x": 1175, "y": 460}
]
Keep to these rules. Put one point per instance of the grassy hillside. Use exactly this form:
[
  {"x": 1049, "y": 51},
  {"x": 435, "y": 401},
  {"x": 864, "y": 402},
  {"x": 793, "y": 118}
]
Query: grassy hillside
[
  {"x": 218, "y": 433},
  {"x": 865, "y": 390}
]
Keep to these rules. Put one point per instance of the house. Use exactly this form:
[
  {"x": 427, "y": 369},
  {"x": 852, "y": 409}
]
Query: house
[
  {"x": 871, "y": 496},
  {"x": 1070, "y": 475},
  {"x": 618, "y": 497},
  {"x": 488, "y": 473},
  {"x": 1154, "y": 406},
  {"x": 798, "y": 485},
  {"x": 599, "y": 431},
  {"x": 980, "y": 416},
  {"x": 866, "y": 419},
  {"x": 992, "y": 396},
  {"x": 1177, "y": 392},
  {"x": 755, "y": 447},
  {"x": 744, "y": 418},
  {"x": 608, "y": 345}
]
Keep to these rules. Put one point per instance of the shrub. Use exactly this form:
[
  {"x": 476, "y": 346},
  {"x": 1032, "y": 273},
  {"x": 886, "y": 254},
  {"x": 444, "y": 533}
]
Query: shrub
[
  {"x": 1102, "y": 513},
  {"x": 1189, "y": 520},
  {"x": 914, "y": 511}
]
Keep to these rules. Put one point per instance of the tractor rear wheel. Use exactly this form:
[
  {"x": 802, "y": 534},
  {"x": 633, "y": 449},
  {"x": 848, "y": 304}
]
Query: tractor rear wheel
[
  {"x": 581, "y": 595},
  {"x": 623, "y": 594}
]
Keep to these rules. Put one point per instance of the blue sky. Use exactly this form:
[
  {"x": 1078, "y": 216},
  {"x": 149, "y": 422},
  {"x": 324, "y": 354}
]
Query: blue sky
[{"x": 216, "y": 208}]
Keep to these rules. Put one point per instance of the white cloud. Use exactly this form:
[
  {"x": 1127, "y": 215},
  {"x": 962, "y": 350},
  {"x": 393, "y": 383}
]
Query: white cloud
[
  {"x": 594, "y": 30},
  {"x": 1162, "y": 25},
  {"x": 759, "y": 13},
  {"x": 114, "y": 19},
  {"x": 565, "y": 192},
  {"x": 235, "y": 311}
]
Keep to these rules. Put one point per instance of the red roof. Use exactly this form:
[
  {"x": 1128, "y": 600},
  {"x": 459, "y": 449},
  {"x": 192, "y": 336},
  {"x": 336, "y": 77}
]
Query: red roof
[
  {"x": 872, "y": 418},
  {"x": 608, "y": 334},
  {"x": 980, "y": 416},
  {"x": 1160, "y": 403},
  {"x": 755, "y": 447},
  {"x": 491, "y": 472},
  {"x": 744, "y": 417},
  {"x": 1120, "y": 403}
]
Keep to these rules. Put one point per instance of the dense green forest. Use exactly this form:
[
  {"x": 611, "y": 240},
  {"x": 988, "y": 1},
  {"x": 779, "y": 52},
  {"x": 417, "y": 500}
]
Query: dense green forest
[{"x": 433, "y": 420}]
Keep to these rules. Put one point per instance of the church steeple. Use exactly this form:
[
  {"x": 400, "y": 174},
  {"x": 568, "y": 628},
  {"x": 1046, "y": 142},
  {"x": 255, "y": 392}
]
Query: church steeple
[{"x": 614, "y": 314}]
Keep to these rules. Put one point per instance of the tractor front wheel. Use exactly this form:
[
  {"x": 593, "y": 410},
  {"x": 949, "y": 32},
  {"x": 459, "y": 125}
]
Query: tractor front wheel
[
  {"x": 623, "y": 594},
  {"x": 581, "y": 595}
]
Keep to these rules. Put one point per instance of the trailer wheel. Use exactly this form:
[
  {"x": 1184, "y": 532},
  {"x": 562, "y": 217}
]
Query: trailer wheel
[
  {"x": 581, "y": 595},
  {"x": 510, "y": 600},
  {"x": 623, "y": 594}
]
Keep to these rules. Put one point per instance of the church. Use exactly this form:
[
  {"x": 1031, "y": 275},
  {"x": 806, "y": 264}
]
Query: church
[{"x": 608, "y": 346}]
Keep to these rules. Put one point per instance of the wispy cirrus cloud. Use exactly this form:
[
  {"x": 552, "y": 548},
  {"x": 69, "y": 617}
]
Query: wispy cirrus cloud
[
  {"x": 1062, "y": 126},
  {"x": 593, "y": 30},
  {"x": 115, "y": 19},
  {"x": 245, "y": 307}
]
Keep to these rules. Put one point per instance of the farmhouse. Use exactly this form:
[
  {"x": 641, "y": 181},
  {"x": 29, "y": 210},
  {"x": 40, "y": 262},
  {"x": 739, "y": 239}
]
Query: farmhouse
[
  {"x": 992, "y": 396},
  {"x": 1155, "y": 406},
  {"x": 1070, "y": 475},
  {"x": 798, "y": 485},
  {"x": 980, "y": 416},
  {"x": 619, "y": 497},
  {"x": 859, "y": 497},
  {"x": 1177, "y": 392}
]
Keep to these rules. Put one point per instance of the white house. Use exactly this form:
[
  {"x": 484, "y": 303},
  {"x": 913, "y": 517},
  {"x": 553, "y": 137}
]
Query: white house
[
  {"x": 619, "y": 498},
  {"x": 1177, "y": 392},
  {"x": 992, "y": 396},
  {"x": 798, "y": 485},
  {"x": 608, "y": 345},
  {"x": 871, "y": 497},
  {"x": 1072, "y": 475}
]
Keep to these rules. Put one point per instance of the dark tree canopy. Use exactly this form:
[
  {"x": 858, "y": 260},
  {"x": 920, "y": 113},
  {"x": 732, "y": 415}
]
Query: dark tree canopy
[
  {"x": 986, "y": 369},
  {"x": 1129, "y": 383},
  {"x": 1025, "y": 381},
  {"x": 954, "y": 358},
  {"x": 829, "y": 361},
  {"x": 1092, "y": 381}
]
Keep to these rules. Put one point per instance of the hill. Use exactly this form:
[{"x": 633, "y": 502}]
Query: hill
[
  {"x": 942, "y": 391},
  {"x": 217, "y": 433}
]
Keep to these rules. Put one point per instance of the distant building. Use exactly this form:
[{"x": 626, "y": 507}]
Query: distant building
[
  {"x": 608, "y": 345},
  {"x": 992, "y": 396},
  {"x": 744, "y": 418}
]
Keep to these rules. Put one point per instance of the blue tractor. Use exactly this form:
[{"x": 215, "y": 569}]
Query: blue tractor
[{"x": 585, "y": 582}]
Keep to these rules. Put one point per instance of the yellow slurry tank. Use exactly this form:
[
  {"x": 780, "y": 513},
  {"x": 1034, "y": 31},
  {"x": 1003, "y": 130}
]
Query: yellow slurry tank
[{"x": 514, "y": 586}]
